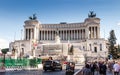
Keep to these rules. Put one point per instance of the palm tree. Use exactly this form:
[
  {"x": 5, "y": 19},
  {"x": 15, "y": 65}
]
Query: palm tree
[{"x": 4, "y": 51}]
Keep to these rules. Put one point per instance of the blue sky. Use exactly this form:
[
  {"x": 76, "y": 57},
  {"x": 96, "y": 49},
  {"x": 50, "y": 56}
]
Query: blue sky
[{"x": 13, "y": 13}]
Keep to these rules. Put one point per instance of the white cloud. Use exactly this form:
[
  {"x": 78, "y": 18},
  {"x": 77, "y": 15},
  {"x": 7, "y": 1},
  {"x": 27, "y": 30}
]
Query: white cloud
[
  {"x": 4, "y": 43},
  {"x": 118, "y": 23}
]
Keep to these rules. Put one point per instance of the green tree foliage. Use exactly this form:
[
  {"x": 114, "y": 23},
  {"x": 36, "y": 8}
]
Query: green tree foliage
[
  {"x": 118, "y": 48},
  {"x": 33, "y": 62},
  {"x": 112, "y": 41},
  {"x": 118, "y": 51},
  {"x": 4, "y": 51}
]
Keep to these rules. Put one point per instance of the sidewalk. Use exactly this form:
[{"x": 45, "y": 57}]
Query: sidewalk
[
  {"x": 96, "y": 73},
  {"x": 108, "y": 73}
]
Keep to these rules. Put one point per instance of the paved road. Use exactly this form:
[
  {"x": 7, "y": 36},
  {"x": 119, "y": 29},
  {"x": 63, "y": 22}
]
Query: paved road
[
  {"x": 41, "y": 72},
  {"x": 38, "y": 72},
  {"x": 108, "y": 73}
]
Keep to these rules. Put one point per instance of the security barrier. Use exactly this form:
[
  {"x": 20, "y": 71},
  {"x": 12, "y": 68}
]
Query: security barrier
[{"x": 21, "y": 62}]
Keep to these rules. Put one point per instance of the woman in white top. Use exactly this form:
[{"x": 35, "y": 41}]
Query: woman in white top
[{"x": 116, "y": 68}]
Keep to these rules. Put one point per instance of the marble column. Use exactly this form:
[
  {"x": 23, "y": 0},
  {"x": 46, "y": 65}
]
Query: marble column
[
  {"x": 66, "y": 34},
  {"x": 94, "y": 32},
  {"x": 71, "y": 34},
  {"x": 31, "y": 34},
  {"x": 86, "y": 33},
  {"x": 49, "y": 35},
  {"x": 82, "y": 33},
  {"x": 63, "y": 35},
  {"x": 46, "y": 34},
  {"x": 74, "y": 35},
  {"x": 98, "y": 32},
  {"x": 41, "y": 35},
  {"x": 28, "y": 34},
  {"x": 77, "y": 34}
]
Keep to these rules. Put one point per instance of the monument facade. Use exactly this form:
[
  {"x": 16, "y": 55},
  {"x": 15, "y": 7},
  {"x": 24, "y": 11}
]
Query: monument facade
[{"x": 57, "y": 39}]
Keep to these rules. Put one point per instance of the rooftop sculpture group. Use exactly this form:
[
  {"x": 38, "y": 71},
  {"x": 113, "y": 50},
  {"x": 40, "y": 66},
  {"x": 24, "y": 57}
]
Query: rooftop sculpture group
[
  {"x": 92, "y": 14},
  {"x": 33, "y": 17}
]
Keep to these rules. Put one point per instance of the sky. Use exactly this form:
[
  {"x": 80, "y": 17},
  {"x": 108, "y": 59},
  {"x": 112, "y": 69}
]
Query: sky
[{"x": 13, "y": 13}]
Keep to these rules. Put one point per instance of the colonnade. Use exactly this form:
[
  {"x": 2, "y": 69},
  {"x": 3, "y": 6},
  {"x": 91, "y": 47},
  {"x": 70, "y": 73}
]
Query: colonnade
[
  {"x": 73, "y": 34},
  {"x": 94, "y": 32},
  {"x": 64, "y": 34},
  {"x": 29, "y": 33}
]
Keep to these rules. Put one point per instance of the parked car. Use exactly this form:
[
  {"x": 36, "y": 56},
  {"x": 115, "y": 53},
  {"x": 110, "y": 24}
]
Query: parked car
[
  {"x": 51, "y": 65},
  {"x": 58, "y": 65}
]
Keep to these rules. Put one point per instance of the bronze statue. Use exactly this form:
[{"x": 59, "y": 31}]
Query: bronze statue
[
  {"x": 92, "y": 14},
  {"x": 33, "y": 17}
]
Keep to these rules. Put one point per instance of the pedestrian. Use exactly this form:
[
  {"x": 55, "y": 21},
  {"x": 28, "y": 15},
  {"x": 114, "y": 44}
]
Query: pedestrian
[
  {"x": 102, "y": 68},
  {"x": 110, "y": 66},
  {"x": 92, "y": 67},
  {"x": 69, "y": 69},
  {"x": 116, "y": 68},
  {"x": 87, "y": 70},
  {"x": 72, "y": 67}
]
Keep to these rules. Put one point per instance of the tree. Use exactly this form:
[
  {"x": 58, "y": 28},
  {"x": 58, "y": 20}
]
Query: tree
[
  {"x": 112, "y": 41},
  {"x": 118, "y": 51},
  {"x": 4, "y": 51},
  {"x": 118, "y": 48}
]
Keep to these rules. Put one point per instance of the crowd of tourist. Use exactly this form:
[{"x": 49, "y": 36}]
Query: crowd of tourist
[{"x": 101, "y": 68}]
